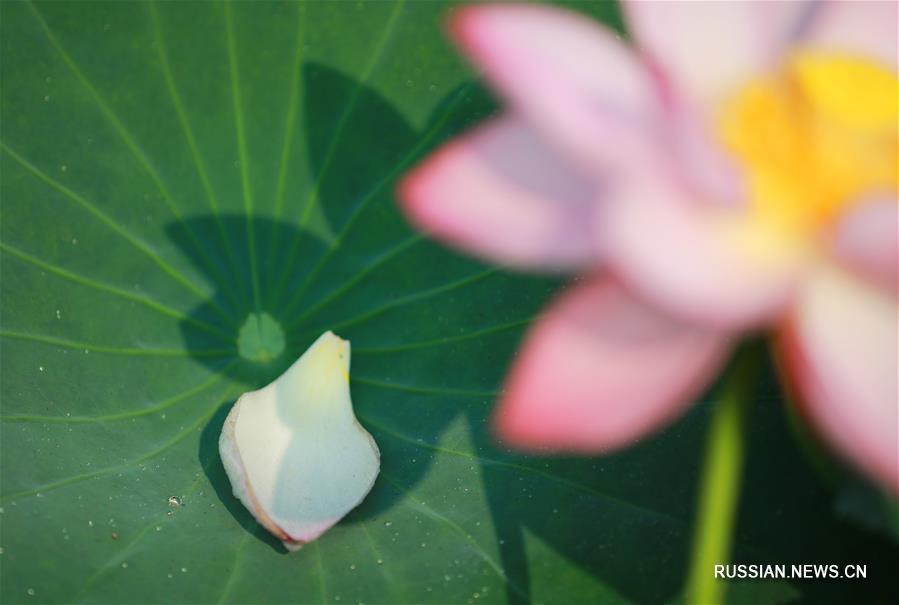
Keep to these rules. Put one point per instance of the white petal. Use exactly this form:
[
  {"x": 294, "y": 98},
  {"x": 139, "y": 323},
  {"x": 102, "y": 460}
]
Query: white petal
[
  {"x": 707, "y": 265},
  {"x": 709, "y": 49},
  {"x": 294, "y": 451},
  {"x": 850, "y": 26},
  {"x": 839, "y": 346}
]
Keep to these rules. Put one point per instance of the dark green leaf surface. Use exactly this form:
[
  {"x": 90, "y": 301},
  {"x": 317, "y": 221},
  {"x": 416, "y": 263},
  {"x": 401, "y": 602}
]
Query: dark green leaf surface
[{"x": 175, "y": 176}]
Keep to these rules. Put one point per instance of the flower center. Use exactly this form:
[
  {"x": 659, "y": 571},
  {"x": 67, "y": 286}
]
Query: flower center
[{"x": 814, "y": 139}]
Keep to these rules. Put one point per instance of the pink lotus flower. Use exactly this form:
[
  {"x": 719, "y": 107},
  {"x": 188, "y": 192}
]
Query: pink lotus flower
[{"x": 734, "y": 169}]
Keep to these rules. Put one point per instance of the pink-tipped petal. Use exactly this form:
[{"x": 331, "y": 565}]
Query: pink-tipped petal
[
  {"x": 858, "y": 27},
  {"x": 500, "y": 193},
  {"x": 701, "y": 161},
  {"x": 867, "y": 241},
  {"x": 709, "y": 49},
  {"x": 600, "y": 370},
  {"x": 573, "y": 79},
  {"x": 707, "y": 265},
  {"x": 839, "y": 349}
]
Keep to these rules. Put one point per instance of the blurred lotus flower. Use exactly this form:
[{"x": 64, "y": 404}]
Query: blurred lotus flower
[{"x": 736, "y": 168}]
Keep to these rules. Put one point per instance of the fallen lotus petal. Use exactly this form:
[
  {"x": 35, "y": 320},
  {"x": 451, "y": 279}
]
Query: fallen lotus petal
[{"x": 295, "y": 454}]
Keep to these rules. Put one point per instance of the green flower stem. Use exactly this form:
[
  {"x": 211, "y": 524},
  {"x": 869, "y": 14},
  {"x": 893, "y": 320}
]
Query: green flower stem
[{"x": 720, "y": 488}]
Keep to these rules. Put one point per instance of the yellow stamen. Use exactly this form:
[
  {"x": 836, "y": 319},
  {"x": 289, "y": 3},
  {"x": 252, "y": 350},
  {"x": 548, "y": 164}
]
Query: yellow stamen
[{"x": 814, "y": 139}]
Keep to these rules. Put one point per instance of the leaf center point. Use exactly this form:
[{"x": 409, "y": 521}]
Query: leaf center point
[{"x": 261, "y": 338}]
